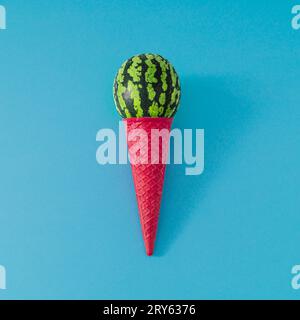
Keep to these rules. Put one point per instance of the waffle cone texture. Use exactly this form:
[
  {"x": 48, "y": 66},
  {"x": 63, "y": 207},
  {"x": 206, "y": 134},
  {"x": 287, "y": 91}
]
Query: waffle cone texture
[{"x": 148, "y": 177}]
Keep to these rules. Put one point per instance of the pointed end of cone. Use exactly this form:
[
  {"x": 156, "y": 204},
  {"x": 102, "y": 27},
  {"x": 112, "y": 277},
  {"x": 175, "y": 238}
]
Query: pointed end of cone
[{"x": 149, "y": 248}]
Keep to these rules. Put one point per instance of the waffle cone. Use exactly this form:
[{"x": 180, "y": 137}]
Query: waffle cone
[{"x": 148, "y": 164}]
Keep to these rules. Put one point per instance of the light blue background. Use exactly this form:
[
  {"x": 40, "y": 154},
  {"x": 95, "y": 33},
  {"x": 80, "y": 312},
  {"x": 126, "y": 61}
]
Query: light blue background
[{"x": 69, "y": 227}]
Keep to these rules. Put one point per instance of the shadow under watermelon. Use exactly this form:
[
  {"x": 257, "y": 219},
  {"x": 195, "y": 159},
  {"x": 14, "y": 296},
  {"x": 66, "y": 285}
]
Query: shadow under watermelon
[{"x": 222, "y": 106}]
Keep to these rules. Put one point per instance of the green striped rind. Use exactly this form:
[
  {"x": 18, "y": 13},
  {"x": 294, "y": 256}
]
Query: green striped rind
[{"x": 146, "y": 85}]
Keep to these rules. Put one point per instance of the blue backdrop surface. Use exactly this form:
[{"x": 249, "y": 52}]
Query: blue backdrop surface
[{"x": 69, "y": 227}]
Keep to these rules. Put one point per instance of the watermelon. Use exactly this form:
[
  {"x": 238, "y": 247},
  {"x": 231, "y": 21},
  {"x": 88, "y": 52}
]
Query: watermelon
[{"x": 146, "y": 85}]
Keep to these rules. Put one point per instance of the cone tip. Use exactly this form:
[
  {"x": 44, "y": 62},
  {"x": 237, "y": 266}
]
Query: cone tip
[
  {"x": 149, "y": 249},
  {"x": 149, "y": 253}
]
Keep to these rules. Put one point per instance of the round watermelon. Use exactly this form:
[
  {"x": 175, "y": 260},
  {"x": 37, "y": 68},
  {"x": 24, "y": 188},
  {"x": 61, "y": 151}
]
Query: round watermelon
[{"x": 146, "y": 85}]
